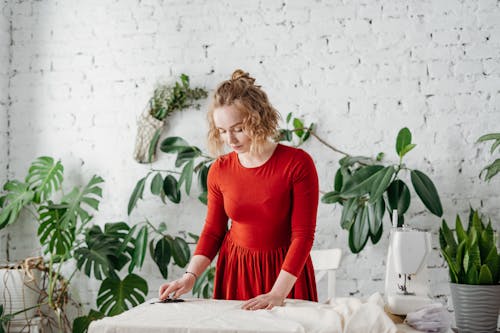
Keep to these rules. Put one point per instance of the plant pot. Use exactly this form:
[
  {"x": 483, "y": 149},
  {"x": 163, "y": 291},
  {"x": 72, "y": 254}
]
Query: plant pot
[
  {"x": 476, "y": 307},
  {"x": 19, "y": 290}
]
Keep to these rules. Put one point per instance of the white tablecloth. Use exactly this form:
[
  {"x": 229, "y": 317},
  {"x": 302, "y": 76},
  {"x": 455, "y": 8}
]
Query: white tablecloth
[{"x": 345, "y": 315}]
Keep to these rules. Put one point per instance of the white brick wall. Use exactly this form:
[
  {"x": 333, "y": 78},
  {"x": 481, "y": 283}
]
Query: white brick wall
[
  {"x": 4, "y": 81},
  {"x": 85, "y": 69}
]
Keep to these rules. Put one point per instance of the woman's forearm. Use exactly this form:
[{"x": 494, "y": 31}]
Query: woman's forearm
[
  {"x": 198, "y": 264},
  {"x": 284, "y": 284}
]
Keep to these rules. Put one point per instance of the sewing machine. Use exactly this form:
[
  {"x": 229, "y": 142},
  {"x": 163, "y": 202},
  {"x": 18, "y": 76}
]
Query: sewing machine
[{"x": 406, "y": 277}]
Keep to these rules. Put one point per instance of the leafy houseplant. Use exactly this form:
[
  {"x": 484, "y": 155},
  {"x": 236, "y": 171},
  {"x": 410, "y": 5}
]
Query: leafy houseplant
[
  {"x": 66, "y": 233},
  {"x": 366, "y": 189},
  {"x": 474, "y": 268}
]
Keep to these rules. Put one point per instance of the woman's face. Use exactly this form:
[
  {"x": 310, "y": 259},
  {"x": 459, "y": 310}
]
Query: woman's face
[{"x": 229, "y": 121}]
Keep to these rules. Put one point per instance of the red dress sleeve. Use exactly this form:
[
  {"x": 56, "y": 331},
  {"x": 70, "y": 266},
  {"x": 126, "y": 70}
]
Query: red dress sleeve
[
  {"x": 215, "y": 227},
  {"x": 305, "y": 195}
]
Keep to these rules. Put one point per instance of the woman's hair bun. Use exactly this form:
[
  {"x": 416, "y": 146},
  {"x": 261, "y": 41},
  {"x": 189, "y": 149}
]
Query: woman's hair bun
[{"x": 242, "y": 75}]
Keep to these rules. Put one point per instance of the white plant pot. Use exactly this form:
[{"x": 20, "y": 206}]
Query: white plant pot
[
  {"x": 476, "y": 307},
  {"x": 19, "y": 289}
]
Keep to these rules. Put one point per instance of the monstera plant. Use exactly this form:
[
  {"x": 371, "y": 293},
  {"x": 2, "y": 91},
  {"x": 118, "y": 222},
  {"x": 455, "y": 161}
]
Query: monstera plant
[
  {"x": 66, "y": 234},
  {"x": 367, "y": 189}
]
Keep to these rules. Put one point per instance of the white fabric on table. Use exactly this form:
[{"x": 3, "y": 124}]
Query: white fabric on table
[{"x": 344, "y": 315}]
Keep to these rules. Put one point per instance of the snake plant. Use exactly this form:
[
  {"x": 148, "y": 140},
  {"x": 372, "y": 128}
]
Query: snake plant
[{"x": 471, "y": 254}]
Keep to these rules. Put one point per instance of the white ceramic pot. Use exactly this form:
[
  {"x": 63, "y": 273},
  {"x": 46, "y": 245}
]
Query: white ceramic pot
[
  {"x": 19, "y": 289},
  {"x": 476, "y": 307}
]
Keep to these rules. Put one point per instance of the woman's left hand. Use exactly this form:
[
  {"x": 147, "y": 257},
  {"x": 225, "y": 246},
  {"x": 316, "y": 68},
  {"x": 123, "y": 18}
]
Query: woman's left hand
[{"x": 264, "y": 301}]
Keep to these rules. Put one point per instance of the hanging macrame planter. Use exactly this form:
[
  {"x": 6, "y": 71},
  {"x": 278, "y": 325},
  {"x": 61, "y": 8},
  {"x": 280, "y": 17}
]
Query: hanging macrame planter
[
  {"x": 166, "y": 99},
  {"x": 148, "y": 133}
]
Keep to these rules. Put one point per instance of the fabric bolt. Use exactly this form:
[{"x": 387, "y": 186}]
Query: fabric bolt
[
  {"x": 272, "y": 211},
  {"x": 344, "y": 315}
]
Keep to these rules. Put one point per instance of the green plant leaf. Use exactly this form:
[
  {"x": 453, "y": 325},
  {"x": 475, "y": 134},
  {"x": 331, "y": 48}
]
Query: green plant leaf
[
  {"x": 171, "y": 189},
  {"x": 459, "y": 258},
  {"x": 459, "y": 230},
  {"x": 348, "y": 213},
  {"x": 493, "y": 262},
  {"x": 485, "y": 276},
  {"x": 180, "y": 252},
  {"x": 81, "y": 324},
  {"x": 375, "y": 215},
  {"x": 451, "y": 266},
  {"x": 427, "y": 192},
  {"x": 203, "y": 197},
  {"x": 44, "y": 177},
  {"x": 331, "y": 197},
  {"x": 348, "y": 161},
  {"x": 359, "y": 231},
  {"x": 116, "y": 296},
  {"x": 398, "y": 196},
  {"x": 162, "y": 255},
  {"x": 472, "y": 276},
  {"x": 153, "y": 144},
  {"x": 157, "y": 184},
  {"x": 17, "y": 197},
  {"x": 406, "y": 149},
  {"x": 103, "y": 253},
  {"x": 173, "y": 144},
  {"x": 57, "y": 237},
  {"x": 380, "y": 184},
  {"x": 204, "y": 284},
  {"x": 491, "y": 170},
  {"x": 136, "y": 194},
  {"x": 403, "y": 139},
  {"x": 288, "y": 117},
  {"x": 74, "y": 201},
  {"x": 361, "y": 181},
  {"x": 298, "y": 126},
  {"x": 491, "y": 136},
  {"x": 187, "y": 154},
  {"x": 338, "y": 182},
  {"x": 187, "y": 176},
  {"x": 202, "y": 178},
  {"x": 140, "y": 248},
  {"x": 447, "y": 239}
]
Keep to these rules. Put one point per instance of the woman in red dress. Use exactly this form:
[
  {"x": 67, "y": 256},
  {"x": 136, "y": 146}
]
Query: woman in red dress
[{"x": 262, "y": 205}]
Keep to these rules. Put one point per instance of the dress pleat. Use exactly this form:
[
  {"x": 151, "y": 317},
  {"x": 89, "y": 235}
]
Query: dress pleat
[{"x": 244, "y": 273}]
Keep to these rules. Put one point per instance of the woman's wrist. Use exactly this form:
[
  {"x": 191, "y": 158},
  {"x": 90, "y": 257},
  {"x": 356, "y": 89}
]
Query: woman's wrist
[{"x": 192, "y": 274}]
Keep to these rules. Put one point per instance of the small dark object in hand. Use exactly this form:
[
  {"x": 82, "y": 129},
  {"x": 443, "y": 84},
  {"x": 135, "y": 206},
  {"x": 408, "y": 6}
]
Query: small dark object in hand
[{"x": 169, "y": 300}]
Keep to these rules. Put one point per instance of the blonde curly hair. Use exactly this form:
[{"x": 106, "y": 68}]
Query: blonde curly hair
[{"x": 260, "y": 118}]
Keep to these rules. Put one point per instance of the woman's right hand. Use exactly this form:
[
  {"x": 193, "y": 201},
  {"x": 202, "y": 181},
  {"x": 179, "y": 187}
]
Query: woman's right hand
[{"x": 177, "y": 287}]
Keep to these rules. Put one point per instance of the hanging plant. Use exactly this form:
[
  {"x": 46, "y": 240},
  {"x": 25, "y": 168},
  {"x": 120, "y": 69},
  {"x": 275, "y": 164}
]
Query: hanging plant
[{"x": 166, "y": 99}]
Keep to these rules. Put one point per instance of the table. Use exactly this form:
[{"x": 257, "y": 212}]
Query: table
[{"x": 347, "y": 315}]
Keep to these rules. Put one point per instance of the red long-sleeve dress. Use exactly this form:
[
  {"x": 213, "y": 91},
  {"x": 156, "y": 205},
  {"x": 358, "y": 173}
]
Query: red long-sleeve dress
[{"x": 272, "y": 209}]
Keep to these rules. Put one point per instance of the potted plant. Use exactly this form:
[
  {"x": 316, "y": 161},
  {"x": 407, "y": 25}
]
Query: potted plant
[{"x": 474, "y": 268}]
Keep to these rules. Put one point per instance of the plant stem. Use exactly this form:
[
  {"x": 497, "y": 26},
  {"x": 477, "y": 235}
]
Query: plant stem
[
  {"x": 320, "y": 140},
  {"x": 170, "y": 171}
]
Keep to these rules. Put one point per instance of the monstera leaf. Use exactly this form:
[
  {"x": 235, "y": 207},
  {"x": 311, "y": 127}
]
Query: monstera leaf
[
  {"x": 56, "y": 238},
  {"x": 116, "y": 296},
  {"x": 18, "y": 196},
  {"x": 104, "y": 251},
  {"x": 45, "y": 177},
  {"x": 81, "y": 324},
  {"x": 74, "y": 200}
]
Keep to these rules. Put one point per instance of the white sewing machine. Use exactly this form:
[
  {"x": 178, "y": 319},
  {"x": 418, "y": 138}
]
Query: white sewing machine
[{"x": 406, "y": 277}]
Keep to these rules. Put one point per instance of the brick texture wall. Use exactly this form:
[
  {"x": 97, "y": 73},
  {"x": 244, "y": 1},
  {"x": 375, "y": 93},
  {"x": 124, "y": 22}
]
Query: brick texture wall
[
  {"x": 82, "y": 71},
  {"x": 4, "y": 81}
]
